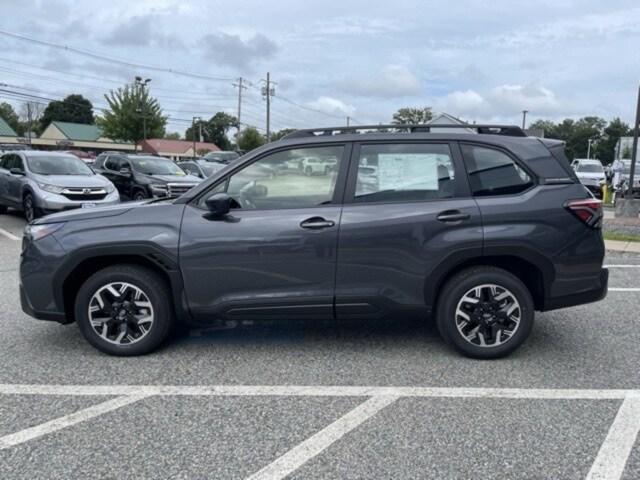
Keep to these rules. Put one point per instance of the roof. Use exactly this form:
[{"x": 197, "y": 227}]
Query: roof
[
  {"x": 6, "y": 130},
  {"x": 79, "y": 131},
  {"x": 163, "y": 145}
]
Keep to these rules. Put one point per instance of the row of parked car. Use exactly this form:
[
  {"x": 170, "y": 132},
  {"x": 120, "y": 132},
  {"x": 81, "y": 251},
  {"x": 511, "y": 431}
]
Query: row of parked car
[
  {"x": 593, "y": 175},
  {"x": 42, "y": 182}
]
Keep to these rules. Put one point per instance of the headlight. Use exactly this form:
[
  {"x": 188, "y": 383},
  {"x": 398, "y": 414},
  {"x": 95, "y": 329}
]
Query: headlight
[
  {"x": 51, "y": 188},
  {"x": 110, "y": 188},
  {"x": 36, "y": 232},
  {"x": 159, "y": 189}
]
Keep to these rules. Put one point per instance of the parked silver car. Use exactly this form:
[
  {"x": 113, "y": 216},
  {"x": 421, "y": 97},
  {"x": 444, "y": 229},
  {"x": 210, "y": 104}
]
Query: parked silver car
[
  {"x": 39, "y": 182},
  {"x": 590, "y": 173}
]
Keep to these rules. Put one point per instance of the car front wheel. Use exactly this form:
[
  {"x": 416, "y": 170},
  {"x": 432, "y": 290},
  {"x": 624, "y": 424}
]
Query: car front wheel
[
  {"x": 29, "y": 208},
  {"x": 124, "y": 310},
  {"x": 485, "y": 312}
]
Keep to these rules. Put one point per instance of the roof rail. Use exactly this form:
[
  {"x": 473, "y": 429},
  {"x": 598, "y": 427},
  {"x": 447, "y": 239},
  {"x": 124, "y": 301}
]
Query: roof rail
[{"x": 508, "y": 130}]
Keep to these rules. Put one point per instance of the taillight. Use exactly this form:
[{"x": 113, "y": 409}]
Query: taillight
[{"x": 589, "y": 211}]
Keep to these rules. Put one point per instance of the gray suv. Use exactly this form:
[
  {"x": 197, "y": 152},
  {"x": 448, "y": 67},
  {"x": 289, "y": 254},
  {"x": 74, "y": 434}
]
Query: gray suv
[
  {"x": 39, "y": 182},
  {"x": 476, "y": 230}
]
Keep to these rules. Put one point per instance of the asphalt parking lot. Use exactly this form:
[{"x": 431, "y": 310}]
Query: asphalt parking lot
[{"x": 367, "y": 400}]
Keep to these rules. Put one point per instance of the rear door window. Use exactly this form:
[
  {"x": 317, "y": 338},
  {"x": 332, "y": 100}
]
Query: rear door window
[
  {"x": 492, "y": 172},
  {"x": 404, "y": 173},
  {"x": 112, "y": 163}
]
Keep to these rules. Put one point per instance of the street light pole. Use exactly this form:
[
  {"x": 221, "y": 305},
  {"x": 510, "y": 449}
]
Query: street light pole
[
  {"x": 634, "y": 151},
  {"x": 524, "y": 118},
  {"x": 193, "y": 133},
  {"x": 589, "y": 149},
  {"x": 142, "y": 89}
]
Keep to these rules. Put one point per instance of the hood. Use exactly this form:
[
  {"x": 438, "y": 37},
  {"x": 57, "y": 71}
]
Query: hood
[
  {"x": 173, "y": 178},
  {"x": 593, "y": 175},
  {"x": 87, "y": 213},
  {"x": 72, "y": 180}
]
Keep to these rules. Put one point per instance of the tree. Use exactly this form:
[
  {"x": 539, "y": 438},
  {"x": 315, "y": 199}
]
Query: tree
[
  {"x": 30, "y": 115},
  {"x": 214, "y": 130},
  {"x": 281, "y": 133},
  {"x": 172, "y": 136},
  {"x": 10, "y": 116},
  {"x": 576, "y": 134},
  {"x": 74, "y": 109},
  {"x": 130, "y": 108},
  {"x": 412, "y": 115},
  {"x": 605, "y": 150},
  {"x": 250, "y": 138}
]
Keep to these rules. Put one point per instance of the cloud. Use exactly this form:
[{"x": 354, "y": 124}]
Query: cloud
[
  {"x": 392, "y": 82},
  {"x": 332, "y": 106},
  {"x": 503, "y": 100},
  {"x": 233, "y": 51},
  {"x": 142, "y": 31},
  {"x": 360, "y": 25}
]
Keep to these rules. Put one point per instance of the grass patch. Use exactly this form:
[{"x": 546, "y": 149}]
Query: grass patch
[{"x": 621, "y": 237}]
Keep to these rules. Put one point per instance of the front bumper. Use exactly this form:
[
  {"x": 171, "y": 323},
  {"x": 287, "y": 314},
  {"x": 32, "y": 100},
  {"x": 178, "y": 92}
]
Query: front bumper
[
  {"x": 596, "y": 291},
  {"x": 51, "y": 202}
]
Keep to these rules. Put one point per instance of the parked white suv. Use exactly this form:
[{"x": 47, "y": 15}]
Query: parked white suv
[
  {"x": 39, "y": 182},
  {"x": 590, "y": 173}
]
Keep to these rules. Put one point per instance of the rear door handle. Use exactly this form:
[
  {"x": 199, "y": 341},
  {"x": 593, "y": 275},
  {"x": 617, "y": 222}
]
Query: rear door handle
[
  {"x": 316, "y": 223},
  {"x": 451, "y": 216}
]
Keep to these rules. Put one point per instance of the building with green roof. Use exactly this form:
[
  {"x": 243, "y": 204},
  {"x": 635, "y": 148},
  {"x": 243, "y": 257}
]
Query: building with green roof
[
  {"x": 7, "y": 134},
  {"x": 78, "y": 136}
]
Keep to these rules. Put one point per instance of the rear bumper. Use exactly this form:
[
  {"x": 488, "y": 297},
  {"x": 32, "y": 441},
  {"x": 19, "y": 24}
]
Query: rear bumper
[{"x": 595, "y": 293}]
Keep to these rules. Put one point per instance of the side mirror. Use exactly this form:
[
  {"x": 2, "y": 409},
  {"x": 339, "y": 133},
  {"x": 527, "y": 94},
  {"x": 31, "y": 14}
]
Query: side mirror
[
  {"x": 125, "y": 171},
  {"x": 219, "y": 204},
  {"x": 16, "y": 171}
]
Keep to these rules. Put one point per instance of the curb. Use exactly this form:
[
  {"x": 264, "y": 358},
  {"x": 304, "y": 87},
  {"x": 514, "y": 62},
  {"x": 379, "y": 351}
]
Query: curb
[{"x": 618, "y": 246}]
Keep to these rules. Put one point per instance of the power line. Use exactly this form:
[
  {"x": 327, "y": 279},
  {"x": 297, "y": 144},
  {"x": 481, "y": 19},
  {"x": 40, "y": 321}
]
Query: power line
[{"x": 106, "y": 58}]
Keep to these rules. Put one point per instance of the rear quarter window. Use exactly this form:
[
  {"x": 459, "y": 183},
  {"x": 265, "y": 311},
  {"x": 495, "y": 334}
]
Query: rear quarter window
[{"x": 492, "y": 172}]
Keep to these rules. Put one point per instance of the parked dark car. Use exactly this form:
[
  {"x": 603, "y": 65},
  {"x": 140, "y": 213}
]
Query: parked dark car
[
  {"x": 200, "y": 168},
  {"x": 144, "y": 176},
  {"x": 475, "y": 230},
  {"x": 223, "y": 156}
]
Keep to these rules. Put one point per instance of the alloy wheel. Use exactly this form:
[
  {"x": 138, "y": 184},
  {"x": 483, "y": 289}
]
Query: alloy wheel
[
  {"x": 121, "y": 313},
  {"x": 488, "y": 315},
  {"x": 29, "y": 212}
]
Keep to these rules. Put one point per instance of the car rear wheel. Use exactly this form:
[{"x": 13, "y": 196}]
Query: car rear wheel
[
  {"x": 29, "y": 208},
  {"x": 124, "y": 310},
  {"x": 485, "y": 312}
]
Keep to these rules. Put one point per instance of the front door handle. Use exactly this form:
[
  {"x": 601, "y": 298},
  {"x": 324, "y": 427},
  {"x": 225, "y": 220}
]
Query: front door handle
[
  {"x": 316, "y": 223},
  {"x": 451, "y": 216}
]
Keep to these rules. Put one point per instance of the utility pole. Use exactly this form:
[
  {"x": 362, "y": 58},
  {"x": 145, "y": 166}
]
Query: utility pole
[
  {"x": 524, "y": 118},
  {"x": 193, "y": 132},
  {"x": 142, "y": 90},
  {"x": 348, "y": 120},
  {"x": 29, "y": 121},
  {"x": 268, "y": 91},
  {"x": 634, "y": 150},
  {"x": 240, "y": 88}
]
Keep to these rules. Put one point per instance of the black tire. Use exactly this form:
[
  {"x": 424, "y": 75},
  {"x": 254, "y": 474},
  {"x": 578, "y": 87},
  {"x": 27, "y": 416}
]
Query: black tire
[
  {"x": 31, "y": 212},
  {"x": 3, "y": 209},
  {"x": 453, "y": 292},
  {"x": 308, "y": 171},
  {"x": 139, "y": 195},
  {"x": 153, "y": 286}
]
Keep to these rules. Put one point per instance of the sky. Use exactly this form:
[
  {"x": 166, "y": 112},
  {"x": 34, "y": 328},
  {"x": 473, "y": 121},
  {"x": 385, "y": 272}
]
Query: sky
[{"x": 483, "y": 61}]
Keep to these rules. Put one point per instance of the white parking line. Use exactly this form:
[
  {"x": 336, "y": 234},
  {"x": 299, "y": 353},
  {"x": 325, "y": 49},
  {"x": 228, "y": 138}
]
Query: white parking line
[
  {"x": 66, "y": 421},
  {"x": 9, "y": 235},
  {"x": 615, "y": 451},
  {"x": 317, "y": 391},
  {"x": 624, "y": 289},
  {"x": 621, "y": 266},
  {"x": 314, "y": 445}
]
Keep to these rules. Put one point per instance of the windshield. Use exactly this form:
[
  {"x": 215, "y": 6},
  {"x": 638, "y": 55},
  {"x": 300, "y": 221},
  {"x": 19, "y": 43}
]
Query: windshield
[
  {"x": 58, "y": 165},
  {"x": 155, "y": 166},
  {"x": 590, "y": 168}
]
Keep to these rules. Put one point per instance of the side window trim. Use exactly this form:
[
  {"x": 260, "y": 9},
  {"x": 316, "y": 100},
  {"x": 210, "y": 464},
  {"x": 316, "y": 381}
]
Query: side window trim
[
  {"x": 338, "y": 192},
  {"x": 461, "y": 187},
  {"x": 504, "y": 151}
]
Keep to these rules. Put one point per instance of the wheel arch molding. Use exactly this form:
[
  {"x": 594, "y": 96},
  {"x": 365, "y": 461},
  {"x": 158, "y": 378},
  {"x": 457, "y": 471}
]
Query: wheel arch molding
[
  {"x": 532, "y": 268},
  {"x": 82, "y": 263}
]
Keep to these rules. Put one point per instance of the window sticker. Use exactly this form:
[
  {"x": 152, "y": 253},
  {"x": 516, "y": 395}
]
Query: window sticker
[{"x": 407, "y": 171}]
